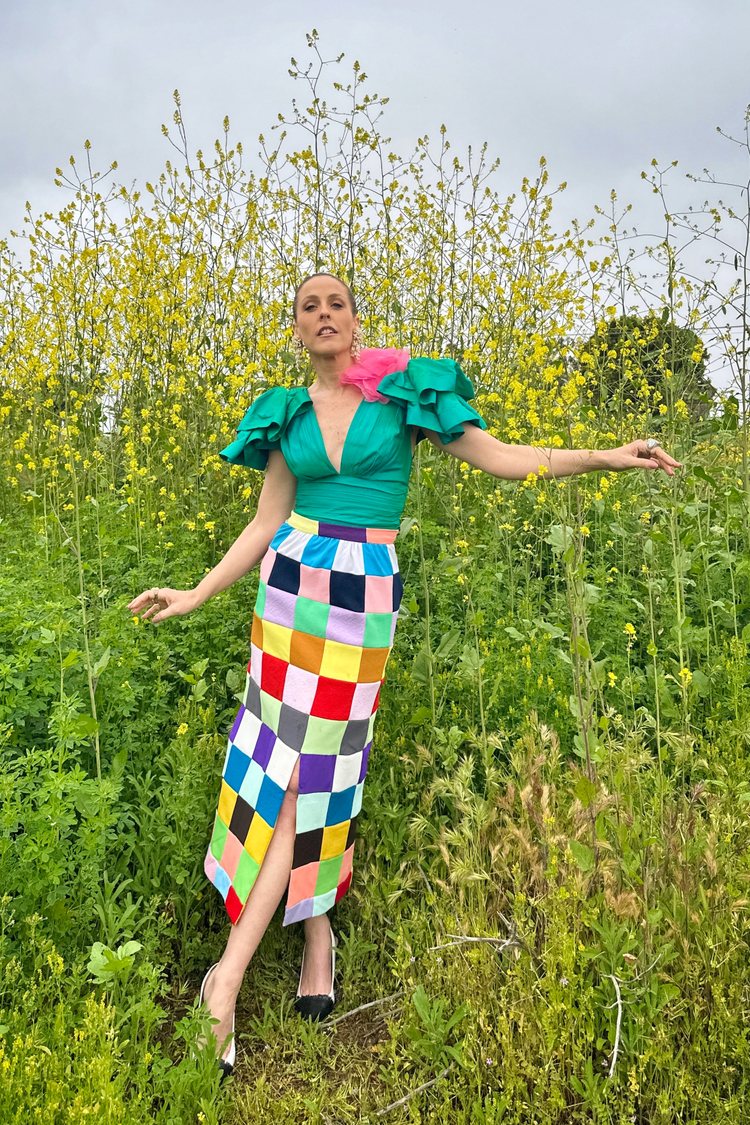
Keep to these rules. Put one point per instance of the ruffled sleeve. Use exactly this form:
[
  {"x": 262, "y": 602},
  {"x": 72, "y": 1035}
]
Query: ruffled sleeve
[
  {"x": 435, "y": 394},
  {"x": 262, "y": 428}
]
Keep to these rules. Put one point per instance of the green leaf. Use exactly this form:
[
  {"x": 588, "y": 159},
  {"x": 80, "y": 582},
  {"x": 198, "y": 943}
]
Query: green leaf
[
  {"x": 512, "y": 632},
  {"x": 447, "y": 644},
  {"x": 585, "y": 790},
  {"x": 560, "y": 536},
  {"x": 421, "y": 715},
  {"x": 546, "y": 627},
  {"x": 84, "y": 726},
  {"x": 421, "y": 1003},
  {"x": 421, "y": 668},
  {"x": 582, "y": 854},
  {"x": 101, "y": 663}
]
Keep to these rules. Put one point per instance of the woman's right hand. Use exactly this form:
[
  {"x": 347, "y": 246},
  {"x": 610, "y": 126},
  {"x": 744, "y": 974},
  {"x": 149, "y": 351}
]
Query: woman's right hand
[{"x": 158, "y": 604}]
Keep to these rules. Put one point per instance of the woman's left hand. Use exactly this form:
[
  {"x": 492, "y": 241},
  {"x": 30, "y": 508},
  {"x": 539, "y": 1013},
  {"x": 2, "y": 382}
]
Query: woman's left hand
[{"x": 636, "y": 455}]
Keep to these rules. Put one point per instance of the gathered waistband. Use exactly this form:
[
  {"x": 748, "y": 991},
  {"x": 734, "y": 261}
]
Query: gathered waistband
[{"x": 341, "y": 531}]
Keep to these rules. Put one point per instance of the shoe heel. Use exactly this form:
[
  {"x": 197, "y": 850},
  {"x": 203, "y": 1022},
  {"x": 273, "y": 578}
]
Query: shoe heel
[
  {"x": 226, "y": 1062},
  {"x": 317, "y": 1007}
]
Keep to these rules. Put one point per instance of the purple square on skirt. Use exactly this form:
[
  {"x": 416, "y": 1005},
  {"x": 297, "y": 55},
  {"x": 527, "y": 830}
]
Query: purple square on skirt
[
  {"x": 264, "y": 744},
  {"x": 316, "y": 773},
  {"x": 365, "y": 760},
  {"x": 236, "y": 723}
]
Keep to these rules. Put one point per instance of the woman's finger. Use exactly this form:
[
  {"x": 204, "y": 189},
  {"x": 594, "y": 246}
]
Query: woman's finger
[{"x": 143, "y": 599}]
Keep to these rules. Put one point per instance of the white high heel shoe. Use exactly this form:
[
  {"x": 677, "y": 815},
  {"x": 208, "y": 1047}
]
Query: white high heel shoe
[
  {"x": 319, "y": 1006},
  {"x": 226, "y": 1062}
]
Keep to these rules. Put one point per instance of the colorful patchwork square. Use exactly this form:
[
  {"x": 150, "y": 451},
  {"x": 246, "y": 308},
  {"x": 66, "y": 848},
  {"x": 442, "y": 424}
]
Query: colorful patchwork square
[
  {"x": 349, "y": 558},
  {"x": 236, "y": 767},
  {"x": 378, "y": 559},
  {"x": 285, "y": 574},
  {"x": 293, "y": 726},
  {"x": 317, "y": 772},
  {"x": 319, "y": 552},
  {"x": 306, "y": 651},
  {"x": 278, "y": 606},
  {"x": 345, "y": 626},
  {"x": 348, "y": 591},
  {"x": 314, "y": 583},
  {"x": 340, "y": 662},
  {"x": 299, "y": 688},
  {"x": 311, "y": 617},
  {"x": 333, "y": 699},
  {"x": 347, "y": 771},
  {"x": 378, "y": 628}
]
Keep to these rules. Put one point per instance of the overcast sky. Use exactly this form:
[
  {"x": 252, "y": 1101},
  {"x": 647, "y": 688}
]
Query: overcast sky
[{"x": 599, "y": 87}]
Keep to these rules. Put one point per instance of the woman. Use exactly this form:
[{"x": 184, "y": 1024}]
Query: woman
[{"x": 337, "y": 458}]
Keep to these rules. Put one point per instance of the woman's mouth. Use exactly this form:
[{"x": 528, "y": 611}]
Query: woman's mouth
[{"x": 326, "y": 330}]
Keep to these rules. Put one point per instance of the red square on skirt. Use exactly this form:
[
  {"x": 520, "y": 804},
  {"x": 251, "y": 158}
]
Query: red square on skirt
[
  {"x": 333, "y": 699},
  {"x": 273, "y": 674}
]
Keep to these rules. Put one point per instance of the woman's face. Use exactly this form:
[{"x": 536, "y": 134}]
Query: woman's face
[{"x": 325, "y": 321}]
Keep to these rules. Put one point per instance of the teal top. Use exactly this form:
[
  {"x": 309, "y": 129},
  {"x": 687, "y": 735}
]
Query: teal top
[{"x": 370, "y": 488}]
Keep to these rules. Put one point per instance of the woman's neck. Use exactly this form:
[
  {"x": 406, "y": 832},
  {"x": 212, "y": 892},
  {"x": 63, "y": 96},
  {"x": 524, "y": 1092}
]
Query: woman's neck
[{"x": 328, "y": 370}]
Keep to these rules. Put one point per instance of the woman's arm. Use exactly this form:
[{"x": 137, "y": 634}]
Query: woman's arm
[
  {"x": 515, "y": 462},
  {"x": 274, "y": 505}
]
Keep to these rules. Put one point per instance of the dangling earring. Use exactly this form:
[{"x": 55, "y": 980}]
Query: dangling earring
[
  {"x": 297, "y": 347},
  {"x": 357, "y": 341}
]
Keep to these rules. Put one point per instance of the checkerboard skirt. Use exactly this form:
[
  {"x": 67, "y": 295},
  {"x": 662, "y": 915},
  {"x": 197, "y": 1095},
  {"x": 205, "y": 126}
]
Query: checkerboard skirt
[{"x": 322, "y": 632}]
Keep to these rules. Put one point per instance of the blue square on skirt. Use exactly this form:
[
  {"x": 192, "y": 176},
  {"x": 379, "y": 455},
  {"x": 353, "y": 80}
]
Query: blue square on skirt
[
  {"x": 320, "y": 552},
  {"x": 236, "y": 768},
  {"x": 340, "y": 806},
  {"x": 269, "y": 800},
  {"x": 377, "y": 559}
]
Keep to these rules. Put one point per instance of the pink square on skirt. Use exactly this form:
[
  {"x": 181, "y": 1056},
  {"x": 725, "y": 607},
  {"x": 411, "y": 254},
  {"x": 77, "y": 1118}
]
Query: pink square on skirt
[
  {"x": 302, "y": 882},
  {"x": 364, "y": 698},
  {"x": 299, "y": 688},
  {"x": 256, "y": 656},
  {"x": 266, "y": 565},
  {"x": 230, "y": 857},
  {"x": 379, "y": 594},
  {"x": 346, "y": 864},
  {"x": 314, "y": 583}
]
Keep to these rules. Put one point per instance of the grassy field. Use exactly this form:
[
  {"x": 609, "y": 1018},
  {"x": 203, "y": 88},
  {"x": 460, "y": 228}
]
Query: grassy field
[{"x": 549, "y": 914}]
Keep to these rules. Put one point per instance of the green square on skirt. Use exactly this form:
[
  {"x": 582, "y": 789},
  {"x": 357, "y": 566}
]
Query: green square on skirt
[
  {"x": 260, "y": 601},
  {"x": 311, "y": 617},
  {"x": 270, "y": 710},
  {"x": 218, "y": 838},
  {"x": 328, "y": 874},
  {"x": 323, "y": 736},
  {"x": 244, "y": 877},
  {"x": 378, "y": 630}
]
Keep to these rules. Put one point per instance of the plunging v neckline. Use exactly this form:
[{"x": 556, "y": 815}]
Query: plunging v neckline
[{"x": 346, "y": 435}]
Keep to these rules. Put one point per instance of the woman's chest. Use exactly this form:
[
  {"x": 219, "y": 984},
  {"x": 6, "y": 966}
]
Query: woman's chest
[{"x": 374, "y": 440}]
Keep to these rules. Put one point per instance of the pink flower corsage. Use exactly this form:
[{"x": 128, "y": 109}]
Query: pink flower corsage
[{"x": 372, "y": 366}]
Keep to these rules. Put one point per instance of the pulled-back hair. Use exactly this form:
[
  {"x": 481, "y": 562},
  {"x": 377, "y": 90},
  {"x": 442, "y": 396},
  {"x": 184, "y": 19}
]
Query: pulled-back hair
[{"x": 323, "y": 273}]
